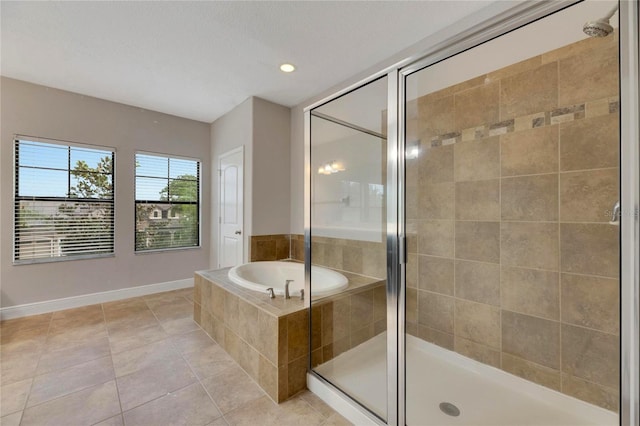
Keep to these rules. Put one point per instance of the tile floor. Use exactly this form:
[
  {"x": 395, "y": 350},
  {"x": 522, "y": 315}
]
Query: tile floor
[{"x": 140, "y": 361}]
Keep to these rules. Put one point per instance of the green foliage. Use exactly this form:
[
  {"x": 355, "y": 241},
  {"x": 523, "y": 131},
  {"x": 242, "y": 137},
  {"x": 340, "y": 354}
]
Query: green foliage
[
  {"x": 83, "y": 222},
  {"x": 179, "y": 225},
  {"x": 182, "y": 188},
  {"x": 93, "y": 182}
]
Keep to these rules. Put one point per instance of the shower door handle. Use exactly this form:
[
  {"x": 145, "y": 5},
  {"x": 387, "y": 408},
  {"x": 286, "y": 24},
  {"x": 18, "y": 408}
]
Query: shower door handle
[{"x": 615, "y": 215}]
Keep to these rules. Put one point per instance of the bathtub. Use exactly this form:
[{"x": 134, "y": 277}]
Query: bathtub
[{"x": 259, "y": 276}]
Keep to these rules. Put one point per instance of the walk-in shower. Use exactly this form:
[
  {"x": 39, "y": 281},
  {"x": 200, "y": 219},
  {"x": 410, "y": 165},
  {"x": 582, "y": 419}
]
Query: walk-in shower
[{"x": 473, "y": 199}]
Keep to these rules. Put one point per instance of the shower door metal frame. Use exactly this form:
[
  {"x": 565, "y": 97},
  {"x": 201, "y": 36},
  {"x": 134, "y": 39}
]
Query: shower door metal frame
[
  {"x": 521, "y": 14},
  {"x": 391, "y": 232},
  {"x": 630, "y": 201},
  {"x": 629, "y": 72}
]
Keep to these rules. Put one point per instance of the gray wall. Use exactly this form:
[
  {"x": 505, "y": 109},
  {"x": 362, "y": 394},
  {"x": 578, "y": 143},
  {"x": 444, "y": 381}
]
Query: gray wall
[
  {"x": 232, "y": 130},
  {"x": 262, "y": 127},
  {"x": 35, "y": 110},
  {"x": 271, "y": 174}
]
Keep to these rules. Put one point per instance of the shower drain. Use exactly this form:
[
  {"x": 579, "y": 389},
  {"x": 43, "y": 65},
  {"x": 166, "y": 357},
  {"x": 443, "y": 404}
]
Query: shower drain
[{"x": 449, "y": 409}]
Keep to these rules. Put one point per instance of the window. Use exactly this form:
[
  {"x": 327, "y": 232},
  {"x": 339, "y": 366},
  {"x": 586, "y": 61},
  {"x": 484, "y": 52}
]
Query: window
[
  {"x": 167, "y": 202},
  {"x": 63, "y": 201}
]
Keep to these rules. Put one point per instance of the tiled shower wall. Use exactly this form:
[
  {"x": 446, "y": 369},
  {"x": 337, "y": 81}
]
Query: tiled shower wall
[
  {"x": 358, "y": 257},
  {"x": 513, "y": 261}
]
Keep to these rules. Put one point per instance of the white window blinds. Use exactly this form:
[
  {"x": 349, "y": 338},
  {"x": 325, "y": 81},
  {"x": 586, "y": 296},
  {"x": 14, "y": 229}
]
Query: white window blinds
[
  {"x": 167, "y": 202},
  {"x": 64, "y": 205}
]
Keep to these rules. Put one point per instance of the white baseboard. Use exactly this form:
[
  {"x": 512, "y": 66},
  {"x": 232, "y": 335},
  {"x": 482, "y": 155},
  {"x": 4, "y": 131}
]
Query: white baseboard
[{"x": 91, "y": 299}]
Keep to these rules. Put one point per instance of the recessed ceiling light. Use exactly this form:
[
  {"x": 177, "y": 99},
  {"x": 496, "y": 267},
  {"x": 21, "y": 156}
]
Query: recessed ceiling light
[{"x": 287, "y": 68}]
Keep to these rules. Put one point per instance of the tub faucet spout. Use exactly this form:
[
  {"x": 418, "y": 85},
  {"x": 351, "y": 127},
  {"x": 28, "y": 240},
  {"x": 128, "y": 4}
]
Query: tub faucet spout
[
  {"x": 271, "y": 294},
  {"x": 286, "y": 289}
]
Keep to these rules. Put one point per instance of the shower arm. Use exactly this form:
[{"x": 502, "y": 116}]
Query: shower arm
[{"x": 611, "y": 13}]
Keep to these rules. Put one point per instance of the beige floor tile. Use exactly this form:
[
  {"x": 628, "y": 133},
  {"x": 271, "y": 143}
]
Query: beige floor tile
[
  {"x": 337, "y": 420},
  {"x": 209, "y": 361},
  {"x": 192, "y": 341},
  {"x": 180, "y": 325},
  {"x": 118, "y": 305},
  {"x": 15, "y": 333},
  {"x": 79, "y": 353},
  {"x": 154, "y": 381},
  {"x": 76, "y": 325},
  {"x": 124, "y": 308},
  {"x": 318, "y": 404},
  {"x": 187, "y": 293},
  {"x": 112, "y": 421},
  {"x": 91, "y": 314},
  {"x": 85, "y": 407},
  {"x": 232, "y": 389},
  {"x": 11, "y": 419},
  {"x": 23, "y": 344},
  {"x": 220, "y": 421},
  {"x": 168, "y": 298},
  {"x": 265, "y": 412},
  {"x": 187, "y": 406},
  {"x": 126, "y": 339},
  {"x": 14, "y": 396},
  {"x": 63, "y": 337},
  {"x": 63, "y": 382},
  {"x": 26, "y": 323},
  {"x": 130, "y": 361},
  {"x": 18, "y": 367},
  {"x": 173, "y": 310},
  {"x": 127, "y": 321}
]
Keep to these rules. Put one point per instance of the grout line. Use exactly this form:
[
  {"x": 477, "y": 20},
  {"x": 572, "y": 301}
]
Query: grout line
[
  {"x": 500, "y": 303},
  {"x": 33, "y": 378},
  {"x": 154, "y": 399},
  {"x": 115, "y": 378},
  {"x": 559, "y": 245}
]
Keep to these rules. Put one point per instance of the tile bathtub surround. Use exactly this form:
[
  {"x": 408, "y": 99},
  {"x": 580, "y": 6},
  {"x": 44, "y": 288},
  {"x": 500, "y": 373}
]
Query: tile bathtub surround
[
  {"x": 297, "y": 247},
  {"x": 269, "y": 338},
  {"x": 277, "y": 247},
  {"x": 358, "y": 257},
  {"x": 136, "y": 361},
  {"x": 512, "y": 261},
  {"x": 271, "y": 247}
]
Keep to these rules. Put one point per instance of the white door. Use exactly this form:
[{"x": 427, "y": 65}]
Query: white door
[{"x": 231, "y": 204}]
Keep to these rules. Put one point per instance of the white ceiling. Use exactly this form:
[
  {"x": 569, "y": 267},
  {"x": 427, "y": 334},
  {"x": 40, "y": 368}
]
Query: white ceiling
[{"x": 200, "y": 59}]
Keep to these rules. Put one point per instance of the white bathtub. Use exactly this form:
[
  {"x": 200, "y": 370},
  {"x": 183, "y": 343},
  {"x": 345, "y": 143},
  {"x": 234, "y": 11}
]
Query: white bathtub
[{"x": 259, "y": 276}]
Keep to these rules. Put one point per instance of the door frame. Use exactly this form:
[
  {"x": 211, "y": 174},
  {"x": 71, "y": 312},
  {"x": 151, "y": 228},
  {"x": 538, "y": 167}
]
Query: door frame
[{"x": 233, "y": 151}]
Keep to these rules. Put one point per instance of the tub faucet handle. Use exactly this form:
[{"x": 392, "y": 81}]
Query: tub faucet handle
[
  {"x": 286, "y": 289},
  {"x": 302, "y": 294},
  {"x": 271, "y": 294}
]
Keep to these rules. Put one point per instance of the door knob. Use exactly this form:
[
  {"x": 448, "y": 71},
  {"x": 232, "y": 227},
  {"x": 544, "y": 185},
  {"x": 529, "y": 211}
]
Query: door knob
[{"x": 238, "y": 232}]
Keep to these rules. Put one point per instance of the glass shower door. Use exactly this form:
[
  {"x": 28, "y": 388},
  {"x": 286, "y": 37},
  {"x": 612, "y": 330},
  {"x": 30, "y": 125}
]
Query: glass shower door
[
  {"x": 348, "y": 235},
  {"x": 512, "y": 275}
]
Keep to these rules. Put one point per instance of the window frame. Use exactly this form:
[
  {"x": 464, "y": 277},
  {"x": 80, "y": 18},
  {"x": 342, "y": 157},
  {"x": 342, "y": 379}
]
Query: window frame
[
  {"x": 17, "y": 138},
  {"x": 197, "y": 203}
]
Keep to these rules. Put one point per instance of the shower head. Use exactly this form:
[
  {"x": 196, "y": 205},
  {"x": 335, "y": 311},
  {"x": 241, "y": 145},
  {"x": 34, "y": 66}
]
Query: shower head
[{"x": 600, "y": 27}]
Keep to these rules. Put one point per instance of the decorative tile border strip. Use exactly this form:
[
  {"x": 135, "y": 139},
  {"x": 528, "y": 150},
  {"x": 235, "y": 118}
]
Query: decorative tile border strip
[{"x": 546, "y": 118}]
